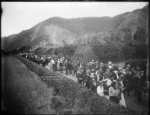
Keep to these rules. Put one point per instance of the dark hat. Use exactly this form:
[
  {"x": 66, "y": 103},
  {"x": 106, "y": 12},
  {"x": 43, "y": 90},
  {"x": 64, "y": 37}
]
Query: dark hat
[
  {"x": 115, "y": 68},
  {"x": 114, "y": 83}
]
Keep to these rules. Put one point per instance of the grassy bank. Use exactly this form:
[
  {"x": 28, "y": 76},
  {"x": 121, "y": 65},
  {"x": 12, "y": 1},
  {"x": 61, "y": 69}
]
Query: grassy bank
[{"x": 23, "y": 92}]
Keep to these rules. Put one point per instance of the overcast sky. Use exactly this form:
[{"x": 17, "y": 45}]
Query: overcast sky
[{"x": 18, "y": 16}]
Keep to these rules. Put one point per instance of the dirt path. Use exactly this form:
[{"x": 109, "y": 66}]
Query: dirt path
[{"x": 69, "y": 76}]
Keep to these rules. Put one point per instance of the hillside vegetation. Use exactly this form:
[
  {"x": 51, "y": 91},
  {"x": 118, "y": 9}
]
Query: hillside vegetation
[
  {"x": 117, "y": 38},
  {"x": 23, "y": 92},
  {"x": 127, "y": 27}
]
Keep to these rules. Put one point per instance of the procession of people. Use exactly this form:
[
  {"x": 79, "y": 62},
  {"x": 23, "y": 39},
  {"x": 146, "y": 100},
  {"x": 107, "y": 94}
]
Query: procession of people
[{"x": 105, "y": 79}]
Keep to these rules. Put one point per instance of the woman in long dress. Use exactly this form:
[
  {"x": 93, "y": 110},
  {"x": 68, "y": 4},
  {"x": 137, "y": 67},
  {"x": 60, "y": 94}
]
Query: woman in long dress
[
  {"x": 122, "y": 99},
  {"x": 100, "y": 89},
  {"x": 120, "y": 86},
  {"x": 114, "y": 93}
]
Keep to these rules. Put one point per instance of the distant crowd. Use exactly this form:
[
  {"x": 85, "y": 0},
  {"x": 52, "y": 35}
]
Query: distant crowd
[{"x": 106, "y": 79}]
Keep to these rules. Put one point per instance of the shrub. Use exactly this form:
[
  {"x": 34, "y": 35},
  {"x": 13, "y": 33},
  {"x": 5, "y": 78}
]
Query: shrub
[
  {"x": 80, "y": 100},
  {"x": 137, "y": 62},
  {"x": 39, "y": 70},
  {"x": 24, "y": 93}
]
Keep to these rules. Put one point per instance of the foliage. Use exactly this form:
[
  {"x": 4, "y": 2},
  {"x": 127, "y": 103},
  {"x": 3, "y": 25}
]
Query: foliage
[
  {"x": 85, "y": 53},
  {"x": 24, "y": 48},
  {"x": 109, "y": 51},
  {"x": 39, "y": 70},
  {"x": 128, "y": 52},
  {"x": 67, "y": 50},
  {"x": 141, "y": 51},
  {"x": 40, "y": 50},
  {"x": 137, "y": 62}
]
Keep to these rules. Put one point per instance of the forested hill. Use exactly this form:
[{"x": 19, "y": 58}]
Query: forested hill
[{"x": 129, "y": 27}]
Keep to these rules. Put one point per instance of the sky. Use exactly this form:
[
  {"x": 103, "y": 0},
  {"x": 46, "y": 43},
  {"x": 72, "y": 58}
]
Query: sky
[{"x": 19, "y": 16}]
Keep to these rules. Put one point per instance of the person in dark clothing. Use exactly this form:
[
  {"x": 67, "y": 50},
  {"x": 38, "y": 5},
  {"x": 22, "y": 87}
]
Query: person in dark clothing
[
  {"x": 55, "y": 65},
  {"x": 46, "y": 61},
  {"x": 70, "y": 67},
  {"x": 93, "y": 84},
  {"x": 61, "y": 66},
  {"x": 143, "y": 76},
  {"x": 66, "y": 66},
  {"x": 80, "y": 75},
  {"x": 128, "y": 82},
  {"x": 138, "y": 86},
  {"x": 75, "y": 69},
  {"x": 144, "y": 84},
  {"x": 87, "y": 79},
  {"x": 106, "y": 86}
]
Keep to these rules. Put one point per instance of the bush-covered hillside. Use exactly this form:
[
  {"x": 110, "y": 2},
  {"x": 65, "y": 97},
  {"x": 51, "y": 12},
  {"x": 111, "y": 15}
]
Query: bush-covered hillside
[{"x": 126, "y": 27}]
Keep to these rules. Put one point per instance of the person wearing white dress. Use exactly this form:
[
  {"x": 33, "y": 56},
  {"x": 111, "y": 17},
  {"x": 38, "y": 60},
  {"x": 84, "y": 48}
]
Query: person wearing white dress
[{"x": 100, "y": 89}]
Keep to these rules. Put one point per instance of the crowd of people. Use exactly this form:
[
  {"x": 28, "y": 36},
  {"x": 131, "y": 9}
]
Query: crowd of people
[{"x": 106, "y": 79}]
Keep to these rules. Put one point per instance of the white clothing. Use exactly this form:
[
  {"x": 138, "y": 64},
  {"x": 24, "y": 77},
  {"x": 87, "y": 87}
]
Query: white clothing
[
  {"x": 122, "y": 101},
  {"x": 100, "y": 90},
  {"x": 52, "y": 61},
  {"x": 113, "y": 92}
]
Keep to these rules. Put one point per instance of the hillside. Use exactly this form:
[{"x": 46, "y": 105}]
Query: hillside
[{"x": 56, "y": 31}]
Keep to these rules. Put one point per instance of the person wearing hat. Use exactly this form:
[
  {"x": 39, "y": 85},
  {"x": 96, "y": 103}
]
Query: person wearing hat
[
  {"x": 100, "y": 89},
  {"x": 70, "y": 67},
  {"x": 128, "y": 66},
  {"x": 114, "y": 93},
  {"x": 80, "y": 75},
  {"x": 66, "y": 63},
  {"x": 96, "y": 65},
  {"x": 143, "y": 77},
  {"x": 92, "y": 64},
  {"x": 110, "y": 65},
  {"x": 93, "y": 84},
  {"x": 75, "y": 68},
  {"x": 107, "y": 73},
  {"x": 93, "y": 80},
  {"x": 61, "y": 65},
  {"x": 98, "y": 74},
  {"x": 101, "y": 65},
  {"x": 106, "y": 85},
  {"x": 138, "y": 85},
  {"x": 87, "y": 78},
  {"x": 128, "y": 79},
  {"x": 92, "y": 75}
]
